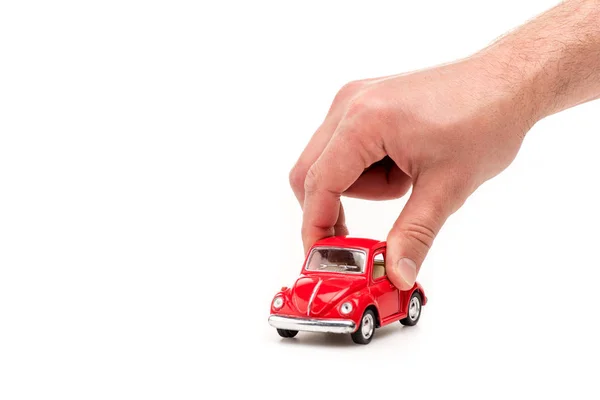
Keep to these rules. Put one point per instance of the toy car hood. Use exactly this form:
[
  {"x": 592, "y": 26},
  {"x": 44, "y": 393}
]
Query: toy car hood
[{"x": 314, "y": 295}]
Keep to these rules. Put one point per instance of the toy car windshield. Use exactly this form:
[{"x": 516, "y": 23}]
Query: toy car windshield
[{"x": 332, "y": 259}]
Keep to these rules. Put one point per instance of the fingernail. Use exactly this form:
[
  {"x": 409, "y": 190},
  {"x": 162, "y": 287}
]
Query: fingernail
[{"x": 407, "y": 269}]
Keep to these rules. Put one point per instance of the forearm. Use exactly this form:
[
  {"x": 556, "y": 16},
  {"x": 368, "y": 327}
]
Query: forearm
[{"x": 554, "y": 60}]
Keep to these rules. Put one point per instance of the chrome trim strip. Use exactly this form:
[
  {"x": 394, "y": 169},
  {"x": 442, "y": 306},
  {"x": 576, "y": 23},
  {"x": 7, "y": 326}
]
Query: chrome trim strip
[
  {"x": 312, "y": 297},
  {"x": 312, "y": 325}
]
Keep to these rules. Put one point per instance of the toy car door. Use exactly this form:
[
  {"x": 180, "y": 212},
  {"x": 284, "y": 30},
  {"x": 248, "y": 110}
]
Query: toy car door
[{"x": 386, "y": 294}]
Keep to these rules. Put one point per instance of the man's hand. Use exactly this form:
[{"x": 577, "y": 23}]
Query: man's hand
[{"x": 443, "y": 131}]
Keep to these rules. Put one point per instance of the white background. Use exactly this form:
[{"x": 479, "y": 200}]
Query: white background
[{"x": 146, "y": 219}]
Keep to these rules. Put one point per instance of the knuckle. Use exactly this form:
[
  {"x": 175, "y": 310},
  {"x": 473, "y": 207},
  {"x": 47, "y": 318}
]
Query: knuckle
[
  {"x": 297, "y": 177},
  {"x": 359, "y": 108},
  {"x": 365, "y": 139},
  {"x": 370, "y": 107},
  {"x": 311, "y": 180},
  {"x": 421, "y": 233},
  {"x": 349, "y": 90}
]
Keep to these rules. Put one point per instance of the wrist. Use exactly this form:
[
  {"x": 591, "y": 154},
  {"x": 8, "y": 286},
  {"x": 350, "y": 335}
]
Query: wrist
[
  {"x": 551, "y": 63},
  {"x": 514, "y": 87}
]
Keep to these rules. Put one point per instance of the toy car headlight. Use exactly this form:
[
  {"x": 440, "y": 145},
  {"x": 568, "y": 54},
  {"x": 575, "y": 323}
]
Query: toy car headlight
[
  {"x": 278, "y": 302},
  {"x": 346, "y": 308}
]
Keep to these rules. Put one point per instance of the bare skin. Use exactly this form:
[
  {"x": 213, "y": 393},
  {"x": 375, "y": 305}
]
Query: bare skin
[{"x": 443, "y": 131}]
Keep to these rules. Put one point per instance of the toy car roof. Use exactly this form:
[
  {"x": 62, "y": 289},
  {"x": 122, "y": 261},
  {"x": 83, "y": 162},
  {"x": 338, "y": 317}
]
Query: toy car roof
[{"x": 344, "y": 241}]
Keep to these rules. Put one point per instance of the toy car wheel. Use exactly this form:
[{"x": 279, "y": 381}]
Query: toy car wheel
[
  {"x": 414, "y": 310},
  {"x": 366, "y": 330},
  {"x": 286, "y": 333}
]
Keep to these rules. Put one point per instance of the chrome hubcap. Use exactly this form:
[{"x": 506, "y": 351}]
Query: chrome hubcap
[
  {"x": 414, "y": 309},
  {"x": 367, "y": 326}
]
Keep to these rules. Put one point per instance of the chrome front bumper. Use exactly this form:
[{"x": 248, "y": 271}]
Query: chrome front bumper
[{"x": 312, "y": 325}]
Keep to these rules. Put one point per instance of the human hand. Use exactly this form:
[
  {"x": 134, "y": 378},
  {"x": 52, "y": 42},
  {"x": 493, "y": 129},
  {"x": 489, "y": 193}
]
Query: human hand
[{"x": 443, "y": 131}]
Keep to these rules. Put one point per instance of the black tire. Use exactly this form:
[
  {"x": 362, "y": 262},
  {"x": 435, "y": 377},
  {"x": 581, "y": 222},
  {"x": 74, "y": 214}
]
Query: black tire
[
  {"x": 361, "y": 337},
  {"x": 412, "y": 320},
  {"x": 286, "y": 333}
]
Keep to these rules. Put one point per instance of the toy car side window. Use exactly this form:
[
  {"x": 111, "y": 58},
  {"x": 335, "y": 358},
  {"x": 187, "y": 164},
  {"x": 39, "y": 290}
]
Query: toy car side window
[{"x": 378, "y": 266}]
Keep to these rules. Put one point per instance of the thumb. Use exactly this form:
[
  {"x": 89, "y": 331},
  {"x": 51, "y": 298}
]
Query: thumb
[{"x": 413, "y": 232}]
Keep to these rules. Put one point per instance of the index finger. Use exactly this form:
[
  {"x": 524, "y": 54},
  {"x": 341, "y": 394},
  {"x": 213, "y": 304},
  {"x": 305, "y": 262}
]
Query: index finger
[{"x": 339, "y": 166}]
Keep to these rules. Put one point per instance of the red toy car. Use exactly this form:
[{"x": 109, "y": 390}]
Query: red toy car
[{"x": 343, "y": 288}]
